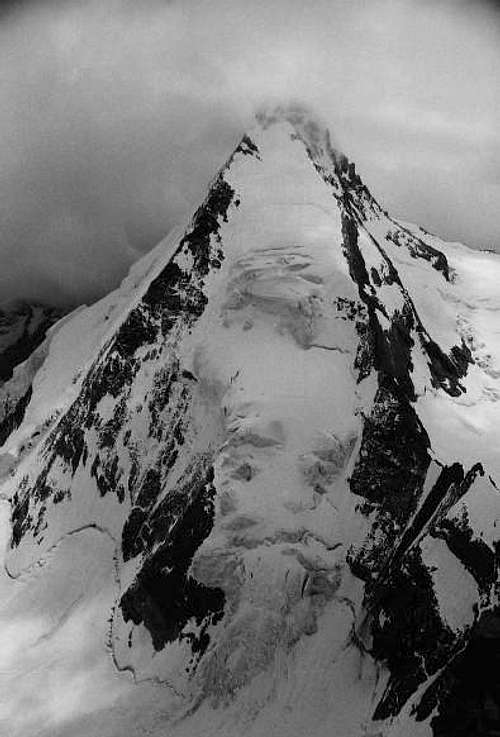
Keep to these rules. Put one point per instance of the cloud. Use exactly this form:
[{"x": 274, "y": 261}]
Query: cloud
[{"x": 115, "y": 115}]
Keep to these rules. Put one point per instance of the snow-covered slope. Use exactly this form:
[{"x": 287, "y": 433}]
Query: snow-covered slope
[{"x": 254, "y": 490}]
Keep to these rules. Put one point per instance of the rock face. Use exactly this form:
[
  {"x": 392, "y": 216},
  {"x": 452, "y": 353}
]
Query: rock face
[
  {"x": 254, "y": 490},
  {"x": 22, "y": 328}
]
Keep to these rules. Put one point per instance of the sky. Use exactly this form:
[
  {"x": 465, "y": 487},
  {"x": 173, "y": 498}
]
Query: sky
[{"x": 114, "y": 116}]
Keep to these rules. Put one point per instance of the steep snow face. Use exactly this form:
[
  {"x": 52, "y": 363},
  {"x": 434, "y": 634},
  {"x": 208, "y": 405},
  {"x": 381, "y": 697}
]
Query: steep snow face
[{"x": 253, "y": 491}]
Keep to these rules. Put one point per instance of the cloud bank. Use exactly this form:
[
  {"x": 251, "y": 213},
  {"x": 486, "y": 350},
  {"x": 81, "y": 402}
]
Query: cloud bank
[{"x": 114, "y": 115}]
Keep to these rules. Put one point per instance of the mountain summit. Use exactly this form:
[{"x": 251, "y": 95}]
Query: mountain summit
[{"x": 254, "y": 490}]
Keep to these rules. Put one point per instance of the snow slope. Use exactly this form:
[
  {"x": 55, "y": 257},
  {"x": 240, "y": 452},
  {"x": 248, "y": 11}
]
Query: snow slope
[{"x": 254, "y": 490}]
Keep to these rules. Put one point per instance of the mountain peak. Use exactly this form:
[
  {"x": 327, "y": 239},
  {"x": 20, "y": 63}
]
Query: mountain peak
[
  {"x": 306, "y": 122},
  {"x": 269, "y": 457}
]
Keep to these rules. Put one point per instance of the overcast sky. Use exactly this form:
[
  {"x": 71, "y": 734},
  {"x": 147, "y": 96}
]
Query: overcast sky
[{"x": 114, "y": 115}]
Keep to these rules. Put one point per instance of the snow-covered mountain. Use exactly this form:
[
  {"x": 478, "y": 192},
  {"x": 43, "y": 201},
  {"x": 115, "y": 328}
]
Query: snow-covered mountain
[{"x": 254, "y": 490}]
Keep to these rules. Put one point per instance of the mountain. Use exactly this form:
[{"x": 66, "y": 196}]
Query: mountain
[{"x": 254, "y": 491}]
